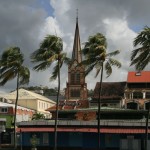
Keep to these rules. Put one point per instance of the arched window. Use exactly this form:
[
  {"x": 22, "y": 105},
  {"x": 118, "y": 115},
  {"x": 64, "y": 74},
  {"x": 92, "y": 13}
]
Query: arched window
[
  {"x": 75, "y": 78},
  {"x": 132, "y": 105},
  {"x": 78, "y": 78}
]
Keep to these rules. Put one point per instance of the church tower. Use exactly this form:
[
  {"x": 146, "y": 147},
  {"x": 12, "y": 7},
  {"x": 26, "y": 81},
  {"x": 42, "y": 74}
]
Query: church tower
[{"x": 76, "y": 88}]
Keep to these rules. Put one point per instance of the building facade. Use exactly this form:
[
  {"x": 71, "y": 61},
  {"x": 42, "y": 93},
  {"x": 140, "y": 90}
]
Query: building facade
[
  {"x": 31, "y": 100},
  {"x": 115, "y": 135},
  {"x": 137, "y": 92}
]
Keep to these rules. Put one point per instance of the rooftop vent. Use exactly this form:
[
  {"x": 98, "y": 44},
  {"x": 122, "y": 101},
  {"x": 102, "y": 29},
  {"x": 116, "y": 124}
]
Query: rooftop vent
[{"x": 138, "y": 73}]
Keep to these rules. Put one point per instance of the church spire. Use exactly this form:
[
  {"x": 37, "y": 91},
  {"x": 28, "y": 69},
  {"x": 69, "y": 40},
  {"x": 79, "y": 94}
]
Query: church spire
[{"x": 76, "y": 54}]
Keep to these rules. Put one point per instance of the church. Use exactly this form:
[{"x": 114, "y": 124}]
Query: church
[{"x": 76, "y": 88}]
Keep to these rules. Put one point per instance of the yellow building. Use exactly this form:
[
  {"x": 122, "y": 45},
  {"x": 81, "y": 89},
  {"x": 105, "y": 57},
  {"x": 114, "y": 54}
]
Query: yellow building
[{"x": 31, "y": 100}]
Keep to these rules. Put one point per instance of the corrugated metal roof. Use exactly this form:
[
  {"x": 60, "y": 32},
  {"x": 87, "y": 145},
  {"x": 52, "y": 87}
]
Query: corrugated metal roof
[{"x": 137, "y": 77}]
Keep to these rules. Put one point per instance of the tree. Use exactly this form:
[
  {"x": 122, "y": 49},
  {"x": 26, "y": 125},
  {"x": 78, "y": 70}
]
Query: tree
[
  {"x": 96, "y": 56},
  {"x": 50, "y": 51},
  {"x": 11, "y": 66},
  {"x": 37, "y": 116},
  {"x": 140, "y": 58}
]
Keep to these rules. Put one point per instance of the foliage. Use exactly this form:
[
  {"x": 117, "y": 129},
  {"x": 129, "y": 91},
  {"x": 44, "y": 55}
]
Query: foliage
[
  {"x": 11, "y": 63},
  {"x": 37, "y": 116},
  {"x": 90, "y": 93},
  {"x": 95, "y": 55},
  {"x": 140, "y": 57},
  {"x": 34, "y": 141},
  {"x": 11, "y": 66},
  {"x": 50, "y": 52}
]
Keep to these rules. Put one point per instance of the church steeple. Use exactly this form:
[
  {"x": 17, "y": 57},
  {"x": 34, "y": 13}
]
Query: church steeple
[
  {"x": 76, "y": 54},
  {"x": 76, "y": 88}
]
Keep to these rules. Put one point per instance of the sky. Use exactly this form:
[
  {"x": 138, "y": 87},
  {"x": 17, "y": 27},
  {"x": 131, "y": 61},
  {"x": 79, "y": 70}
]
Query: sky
[{"x": 25, "y": 23}]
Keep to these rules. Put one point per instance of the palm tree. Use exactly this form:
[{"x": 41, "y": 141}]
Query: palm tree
[
  {"x": 37, "y": 116},
  {"x": 96, "y": 57},
  {"x": 50, "y": 51},
  {"x": 140, "y": 58},
  {"x": 11, "y": 66}
]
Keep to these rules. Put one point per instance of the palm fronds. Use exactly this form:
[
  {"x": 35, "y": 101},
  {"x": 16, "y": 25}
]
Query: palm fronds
[{"x": 140, "y": 57}]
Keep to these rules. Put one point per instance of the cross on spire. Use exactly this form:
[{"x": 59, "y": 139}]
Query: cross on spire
[{"x": 77, "y": 15}]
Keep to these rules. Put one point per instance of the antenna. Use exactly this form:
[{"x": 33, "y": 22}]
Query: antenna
[{"x": 55, "y": 32}]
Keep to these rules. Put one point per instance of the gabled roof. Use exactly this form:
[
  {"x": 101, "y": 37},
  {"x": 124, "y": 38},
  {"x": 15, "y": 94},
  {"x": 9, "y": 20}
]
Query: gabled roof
[
  {"x": 70, "y": 105},
  {"x": 110, "y": 90},
  {"x": 138, "y": 77},
  {"x": 24, "y": 94}
]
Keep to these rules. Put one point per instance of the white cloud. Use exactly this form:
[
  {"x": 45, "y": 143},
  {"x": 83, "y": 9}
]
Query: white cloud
[
  {"x": 114, "y": 26},
  {"x": 50, "y": 26},
  {"x": 115, "y": 19}
]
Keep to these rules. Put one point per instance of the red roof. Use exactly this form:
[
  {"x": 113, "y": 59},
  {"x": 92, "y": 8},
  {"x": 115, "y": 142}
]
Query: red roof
[
  {"x": 143, "y": 76},
  {"x": 102, "y": 130},
  {"x": 70, "y": 105}
]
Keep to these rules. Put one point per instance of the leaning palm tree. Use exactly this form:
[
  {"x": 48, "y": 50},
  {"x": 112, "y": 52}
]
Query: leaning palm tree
[
  {"x": 50, "y": 51},
  {"x": 97, "y": 57},
  {"x": 140, "y": 58},
  {"x": 11, "y": 66}
]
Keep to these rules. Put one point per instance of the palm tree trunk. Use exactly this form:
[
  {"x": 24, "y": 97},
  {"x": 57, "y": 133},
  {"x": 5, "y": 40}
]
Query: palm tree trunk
[
  {"x": 146, "y": 131},
  {"x": 16, "y": 103},
  {"x": 57, "y": 104},
  {"x": 99, "y": 106}
]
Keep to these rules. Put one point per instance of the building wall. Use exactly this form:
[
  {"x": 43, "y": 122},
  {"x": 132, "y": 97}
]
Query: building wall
[
  {"x": 28, "y": 103},
  {"x": 85, "y": 140},
  {"x": 139, "y": 96},
  {"x": 36, "y": 105}
]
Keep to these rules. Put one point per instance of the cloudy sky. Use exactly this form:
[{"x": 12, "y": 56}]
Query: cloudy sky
[{"x": 24, "y": 23}]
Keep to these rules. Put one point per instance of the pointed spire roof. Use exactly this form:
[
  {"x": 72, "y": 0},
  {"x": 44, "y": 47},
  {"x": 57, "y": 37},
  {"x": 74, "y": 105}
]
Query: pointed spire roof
[{"x": 76, "y": 54}]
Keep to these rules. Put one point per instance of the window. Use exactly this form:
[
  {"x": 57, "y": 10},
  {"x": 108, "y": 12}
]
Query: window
[
  {"x": 4, "y": 109},
  {"x": 39, "y": 105},
  {"x": 75, "y": 93},
  {"x": 127, "y": 95},
  {"x": 75, "y": 78},
  {"x": 78, "y": 78},
  {"x": 137, "y": 95},
  {"x": 72, "y": 78},
  {"x": 147, "y": 94}
]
